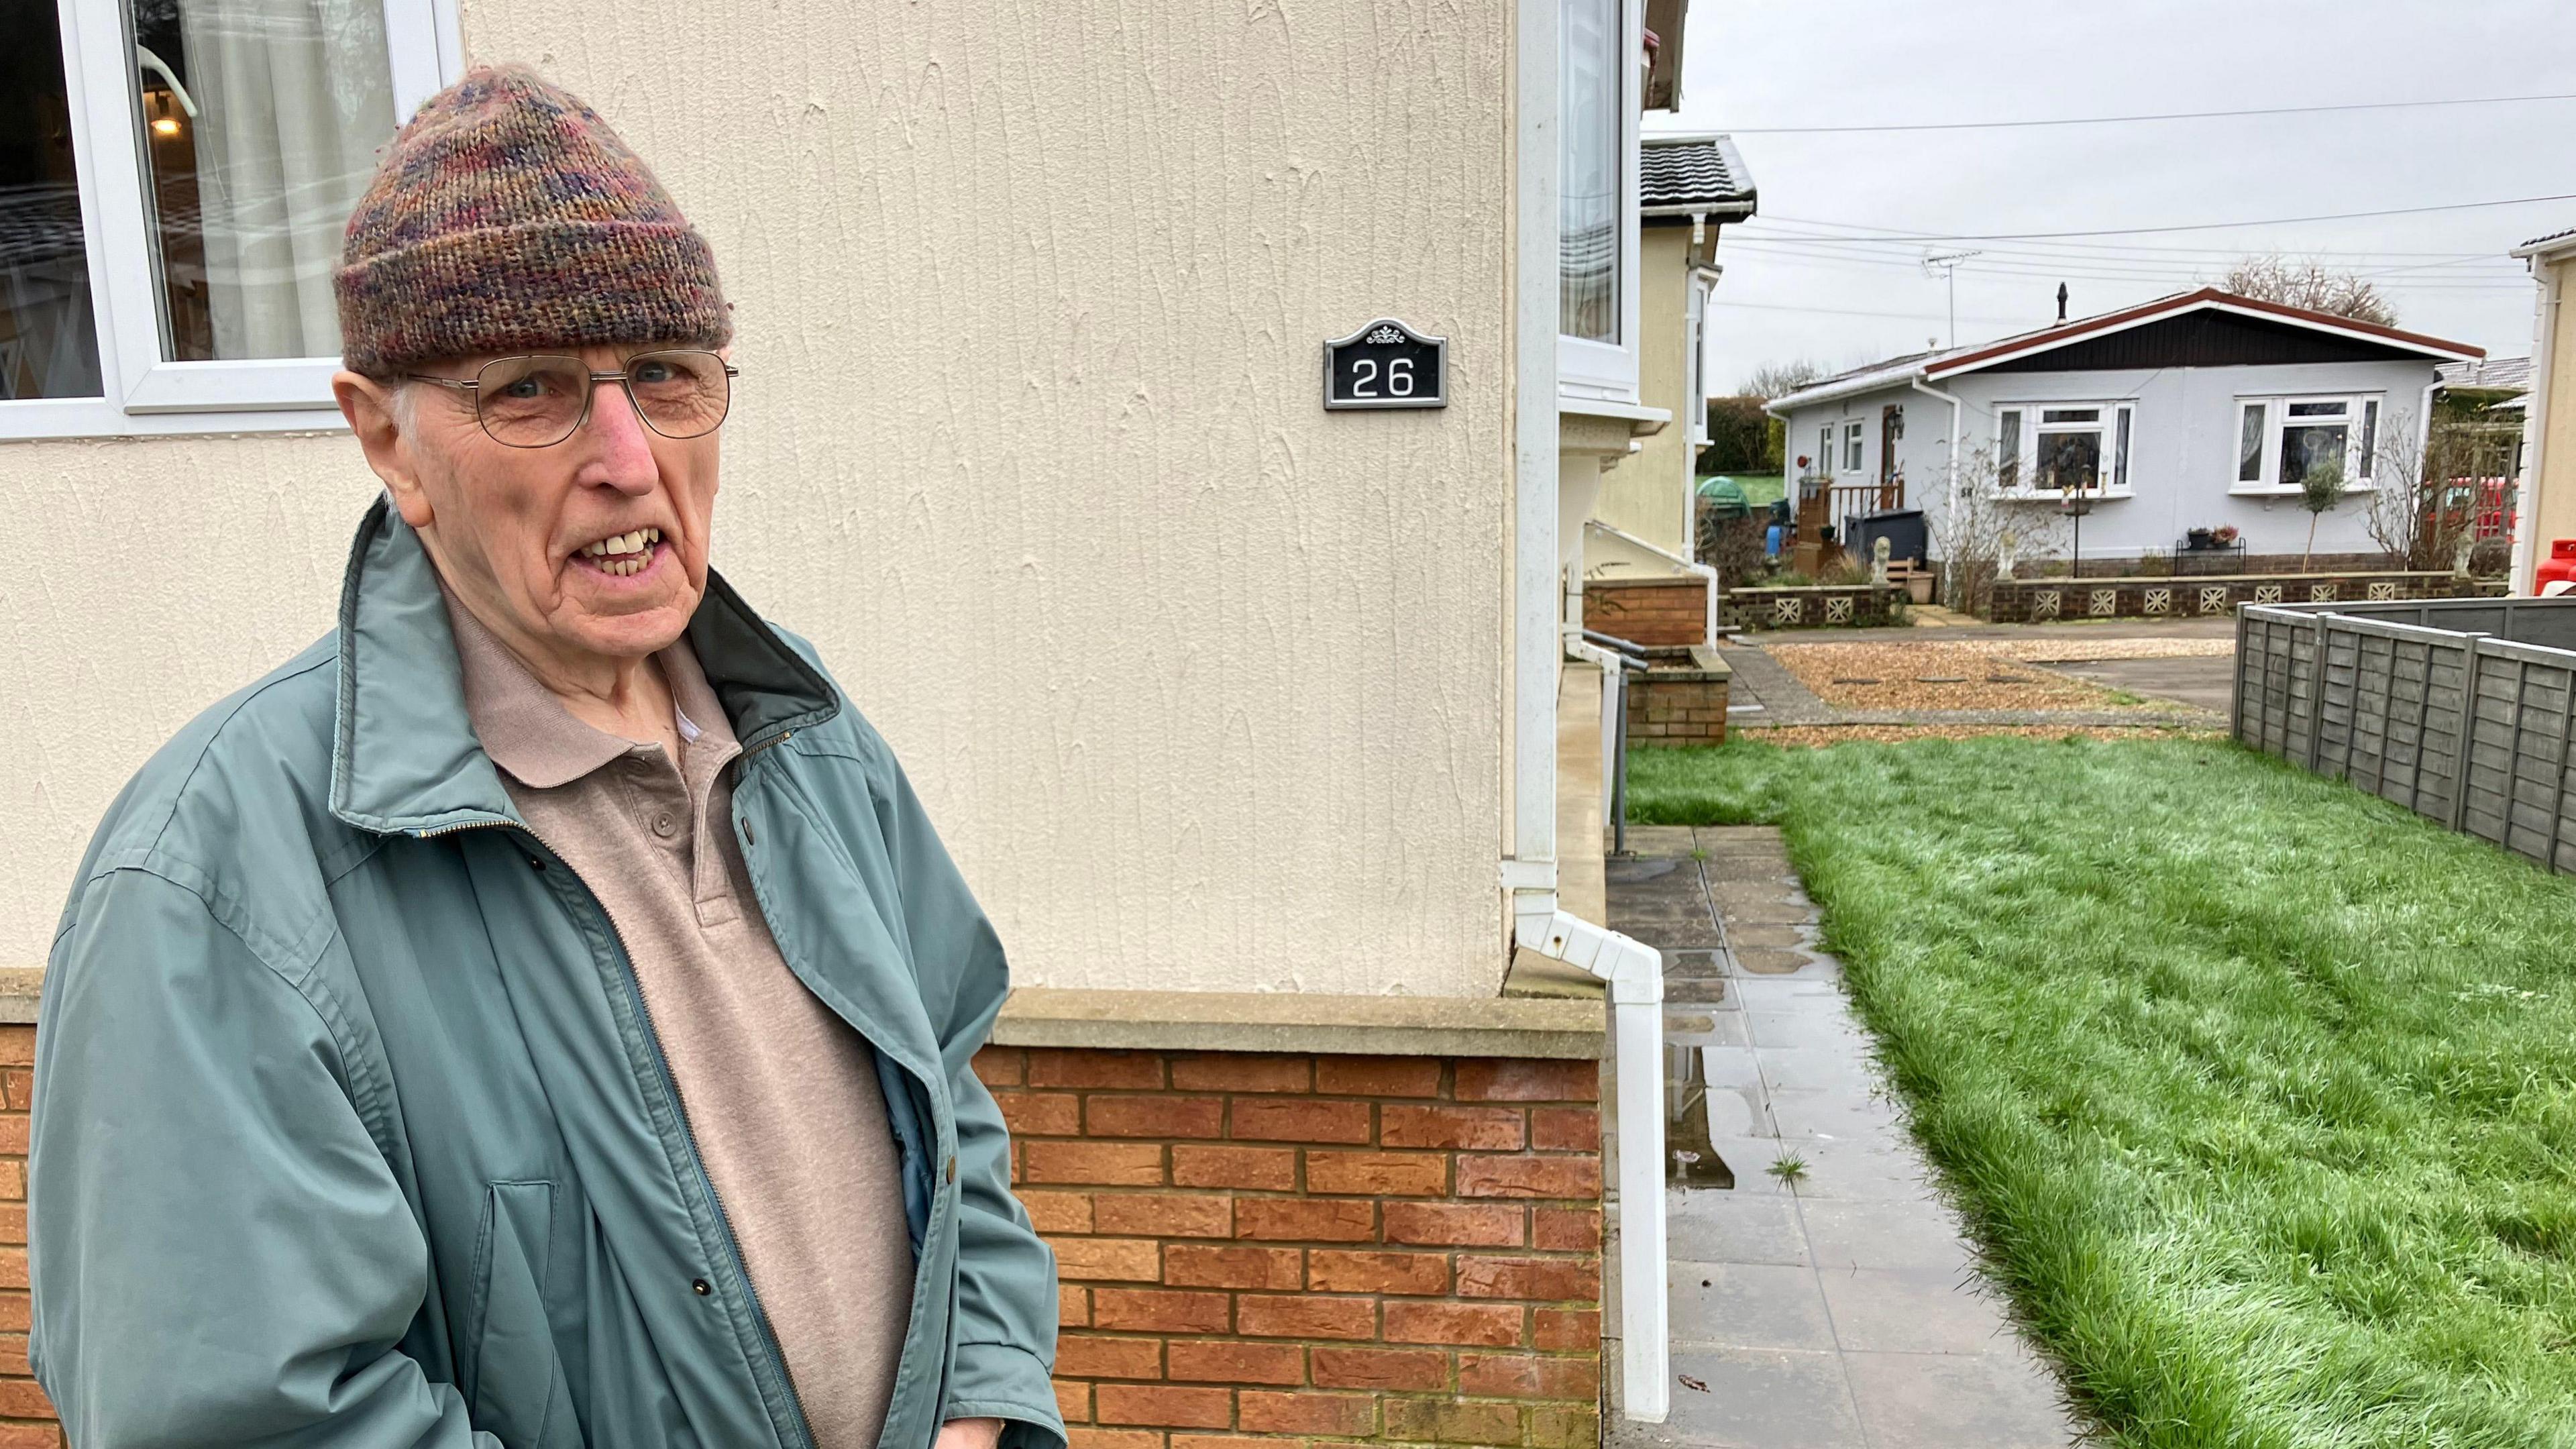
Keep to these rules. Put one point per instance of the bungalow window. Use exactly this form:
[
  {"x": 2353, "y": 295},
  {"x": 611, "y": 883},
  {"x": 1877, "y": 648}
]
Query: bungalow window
[
  {"x": 1597, "y": 119},
  {"x": 2280, "y": 441},
  {"x": 2064, "y": 448},
  {"x": 1825, "y": 450},
  {"x": 175, "y": 175},
  {"x": 1851, "y": 446}
]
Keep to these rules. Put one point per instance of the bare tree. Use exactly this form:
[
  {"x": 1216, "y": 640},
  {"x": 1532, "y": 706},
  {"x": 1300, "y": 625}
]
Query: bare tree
[
  {"x": 2431, "y": 485},
  {"x": 1779, "y": 379},
  {"x": 1983, "y": 537},
  {"x": 2311, "y": 285},
  {"x": 2320, "y": 488}
]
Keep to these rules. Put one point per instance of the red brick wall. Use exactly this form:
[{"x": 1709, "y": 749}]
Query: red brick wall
[
  {"x": 1259, "y": 1251},
  {"x": 1649, "y": 611},
  {"x": 26, "y": 1419}
]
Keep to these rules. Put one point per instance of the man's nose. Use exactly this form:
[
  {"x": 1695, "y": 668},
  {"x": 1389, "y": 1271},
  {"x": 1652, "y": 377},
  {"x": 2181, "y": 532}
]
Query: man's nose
[{"x": 621, "y": 446}]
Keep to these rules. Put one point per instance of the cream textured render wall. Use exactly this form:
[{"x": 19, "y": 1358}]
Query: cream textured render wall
[
  {"x": 1204, "y": 686},
  {"x": 1647, "y": 493},
  {"x": 2554, "y": 496}
]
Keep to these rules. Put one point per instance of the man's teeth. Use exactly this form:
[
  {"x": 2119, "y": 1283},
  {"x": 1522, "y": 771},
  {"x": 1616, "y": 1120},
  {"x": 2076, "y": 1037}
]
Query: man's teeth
[{"x": 624, "y": 553}]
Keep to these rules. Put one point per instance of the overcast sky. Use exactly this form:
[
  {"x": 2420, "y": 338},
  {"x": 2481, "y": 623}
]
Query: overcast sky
[{"x": 1796, "y": 63}]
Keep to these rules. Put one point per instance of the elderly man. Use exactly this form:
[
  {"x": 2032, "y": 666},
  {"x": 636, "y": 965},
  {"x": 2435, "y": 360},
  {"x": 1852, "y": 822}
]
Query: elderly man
[{"x": 539, "y": 1014}]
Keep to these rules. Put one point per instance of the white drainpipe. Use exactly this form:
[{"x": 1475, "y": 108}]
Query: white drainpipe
[
  {"x": 1633, "y": 970},
  {"x": 1957, "y": 422},
  {"x": 2527, "y": 552}
]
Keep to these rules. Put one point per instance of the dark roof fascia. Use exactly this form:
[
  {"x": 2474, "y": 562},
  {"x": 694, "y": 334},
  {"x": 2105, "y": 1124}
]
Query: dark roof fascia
[{"x": 2207, "y": 297}]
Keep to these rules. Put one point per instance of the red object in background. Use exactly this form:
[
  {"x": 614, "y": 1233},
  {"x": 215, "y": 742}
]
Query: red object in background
[{"x": 2558, "y": 568}]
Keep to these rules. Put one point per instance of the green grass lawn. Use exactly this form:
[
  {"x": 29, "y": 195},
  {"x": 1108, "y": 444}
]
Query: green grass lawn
[{"x": 2259, "y": 1093}]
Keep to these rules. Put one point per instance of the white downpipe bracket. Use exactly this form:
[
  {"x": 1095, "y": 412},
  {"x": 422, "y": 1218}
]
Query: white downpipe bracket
[{"x": 1634, "y": 972}]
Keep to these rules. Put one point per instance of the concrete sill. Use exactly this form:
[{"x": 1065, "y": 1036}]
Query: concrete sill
[{"x": 1260, "y": 1021}]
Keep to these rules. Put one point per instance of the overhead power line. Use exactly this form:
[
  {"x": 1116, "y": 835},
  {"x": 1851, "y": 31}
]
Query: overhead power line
[
  {"x": 2153, "y": 116},
  {"x": 1778, "y": 229},
  {"x": 1965, "y": 236}
]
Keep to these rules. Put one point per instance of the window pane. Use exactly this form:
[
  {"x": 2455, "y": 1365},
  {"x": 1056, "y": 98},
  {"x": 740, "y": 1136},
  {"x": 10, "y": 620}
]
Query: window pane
[
  {"x": 1588, "y": 196},
  {"x": 2332, "y": 409},
  {"x": 261, "y": 120},
  {"x": 48, "y": 337},
  {"x": 2308, "y": 447},
  {"x": 2070, "y": 415},
  {"x": 2369, "y": 438},
  {"x": 2249, "y": 447},
  {"x": 2070, "y": 460},
  {"x": 2120, "y": 459},
  {"x": 1851, "y": 447},
  {"x": 2008, "y": 449}
]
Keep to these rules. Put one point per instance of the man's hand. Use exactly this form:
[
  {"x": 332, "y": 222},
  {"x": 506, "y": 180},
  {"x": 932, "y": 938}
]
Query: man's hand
[{"x": 969, "y": 1434}]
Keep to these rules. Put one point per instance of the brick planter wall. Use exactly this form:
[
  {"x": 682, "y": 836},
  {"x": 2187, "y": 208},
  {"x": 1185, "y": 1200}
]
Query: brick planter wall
[
  {"x": 1677, "y": 707},
  {"x": 26, "y": 1418},
  {"x": 1258, "y": 1250},
  {"x": 1832, "y": 606},
  {"x": 1649, "y": 611},
  {"x": 2033, "y": 601}
]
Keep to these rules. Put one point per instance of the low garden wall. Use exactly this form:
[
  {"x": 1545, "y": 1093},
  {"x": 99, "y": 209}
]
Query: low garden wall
[
  {"x": 2037, "y": 601},
  {"x": 1652, "y": 612},
  {"x": 1832, "y": 606},
  {"x": 1679, "y": 705}
]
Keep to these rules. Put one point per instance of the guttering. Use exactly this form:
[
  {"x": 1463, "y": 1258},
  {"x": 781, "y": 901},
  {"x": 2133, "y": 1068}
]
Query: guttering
[{"x": 1958, "y": 418}]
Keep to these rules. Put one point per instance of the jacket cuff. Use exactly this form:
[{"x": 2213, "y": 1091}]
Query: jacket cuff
[{"x": 1006, "y": 1382}]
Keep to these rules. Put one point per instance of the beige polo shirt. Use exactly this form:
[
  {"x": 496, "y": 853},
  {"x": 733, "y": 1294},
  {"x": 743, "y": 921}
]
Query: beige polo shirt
[{"x": 780, "y": 1093}]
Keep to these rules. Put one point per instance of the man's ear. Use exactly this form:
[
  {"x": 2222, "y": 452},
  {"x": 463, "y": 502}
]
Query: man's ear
[{"x": 373, "y": 415}]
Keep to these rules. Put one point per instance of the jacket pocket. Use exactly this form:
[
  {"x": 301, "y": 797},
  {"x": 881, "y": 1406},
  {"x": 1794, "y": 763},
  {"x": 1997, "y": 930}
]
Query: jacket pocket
[{"x": 514, "y": 1384}]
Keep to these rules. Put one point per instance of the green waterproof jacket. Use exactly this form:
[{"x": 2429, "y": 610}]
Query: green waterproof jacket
[{"x": 350, "y": 1128}]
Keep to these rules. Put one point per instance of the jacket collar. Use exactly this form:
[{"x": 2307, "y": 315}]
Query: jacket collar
[{"x": 404, "y": 756}]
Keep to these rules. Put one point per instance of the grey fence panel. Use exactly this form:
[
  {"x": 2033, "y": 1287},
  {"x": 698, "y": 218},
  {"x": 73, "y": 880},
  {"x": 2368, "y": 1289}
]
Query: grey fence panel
[{"x": 2461, "y": 710}]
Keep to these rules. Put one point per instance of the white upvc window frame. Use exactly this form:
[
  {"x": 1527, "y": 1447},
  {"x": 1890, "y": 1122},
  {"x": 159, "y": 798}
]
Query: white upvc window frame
[
  {"x": 2116, "y": 419},
  {"x": 1589, "y": 371},
  {"x": 1853, "y": 461},
  {"x": 2364, "y": 419},
  {"x": 145, "y": 394}
]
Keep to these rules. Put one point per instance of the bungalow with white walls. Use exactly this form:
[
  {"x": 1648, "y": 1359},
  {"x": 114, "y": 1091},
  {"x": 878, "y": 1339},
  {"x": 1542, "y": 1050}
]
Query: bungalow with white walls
[
  {"x": 1257, "y": 763},
  {"x": 2202, "y": 410}
]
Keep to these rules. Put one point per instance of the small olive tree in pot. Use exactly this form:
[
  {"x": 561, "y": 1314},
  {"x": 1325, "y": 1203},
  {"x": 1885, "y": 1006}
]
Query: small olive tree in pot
[{"x": 2320, "y": 488}]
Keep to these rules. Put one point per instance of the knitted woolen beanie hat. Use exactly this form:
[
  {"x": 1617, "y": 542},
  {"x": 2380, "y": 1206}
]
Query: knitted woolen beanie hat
[{"x": 506, "y": 216}]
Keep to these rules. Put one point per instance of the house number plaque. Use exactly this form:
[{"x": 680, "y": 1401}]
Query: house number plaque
[{"x": 1386, "y": 365}]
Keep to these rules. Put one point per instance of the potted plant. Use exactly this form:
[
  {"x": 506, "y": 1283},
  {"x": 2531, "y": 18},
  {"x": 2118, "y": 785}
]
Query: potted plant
[
  {"x": 2199, "y": 538},
  {"x": 2224, "y": 535}
]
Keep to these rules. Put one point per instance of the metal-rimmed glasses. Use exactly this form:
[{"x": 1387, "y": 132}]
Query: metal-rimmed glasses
[{"x": 537, "y": 401}]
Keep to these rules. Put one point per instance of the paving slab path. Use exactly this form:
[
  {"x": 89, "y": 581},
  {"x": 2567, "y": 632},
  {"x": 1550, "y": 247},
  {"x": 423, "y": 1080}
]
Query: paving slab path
[{"x": 1839, "y": 1308}]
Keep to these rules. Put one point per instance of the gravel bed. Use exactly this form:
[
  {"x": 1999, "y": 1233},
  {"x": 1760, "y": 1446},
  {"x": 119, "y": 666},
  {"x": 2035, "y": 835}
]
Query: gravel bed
[{"x": 1820, "y": 736}]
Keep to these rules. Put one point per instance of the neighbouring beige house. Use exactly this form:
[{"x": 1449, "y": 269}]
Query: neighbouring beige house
[
  {"x": 1642, "y": 528},
  {"x": 2546, "y": 507},
  {"x": 1258, "y": 727}
]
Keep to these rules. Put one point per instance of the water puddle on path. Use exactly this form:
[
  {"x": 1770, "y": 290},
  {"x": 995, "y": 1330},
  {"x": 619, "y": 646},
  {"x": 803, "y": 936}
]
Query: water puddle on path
[{"x": 1690, "y": 1159}]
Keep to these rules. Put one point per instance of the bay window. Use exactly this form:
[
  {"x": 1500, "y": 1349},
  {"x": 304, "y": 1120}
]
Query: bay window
[
  {"x": 2281, "y": 440},
  {"x": 2052, "y": 449},
  {"x": 174, "y": 178},
  {"x": 1599, "y": 42}
]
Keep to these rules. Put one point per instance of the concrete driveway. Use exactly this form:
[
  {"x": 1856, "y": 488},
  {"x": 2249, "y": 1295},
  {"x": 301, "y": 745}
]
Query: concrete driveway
[{"x": 2205, "y": 681}]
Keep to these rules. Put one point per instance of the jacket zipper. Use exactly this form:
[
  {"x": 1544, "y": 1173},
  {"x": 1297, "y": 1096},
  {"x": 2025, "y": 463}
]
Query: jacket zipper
[{"x": 688, "y": 1134}]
